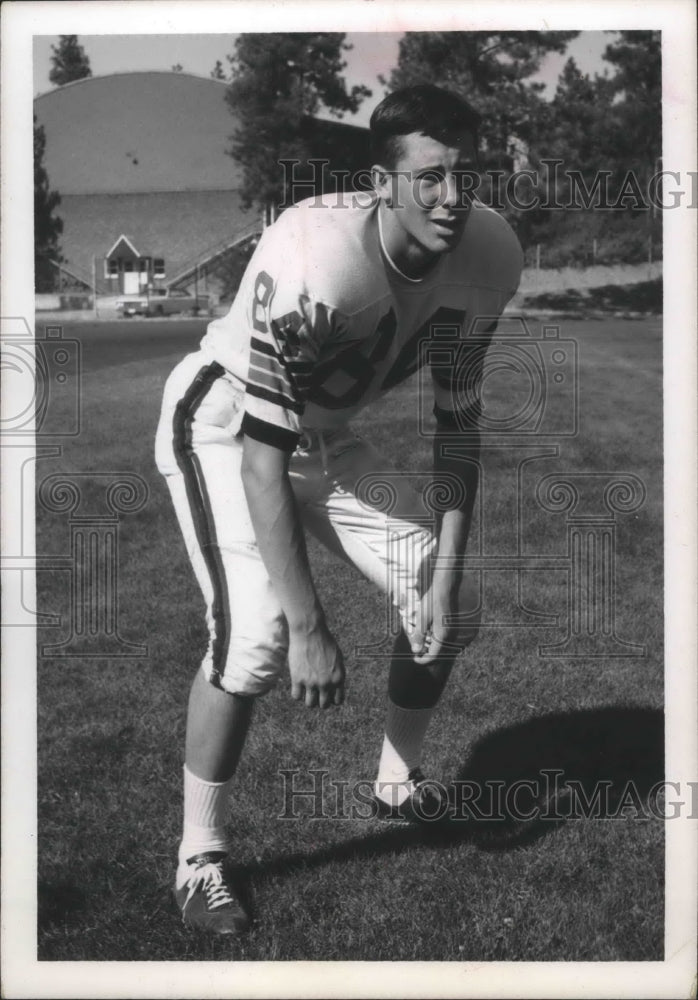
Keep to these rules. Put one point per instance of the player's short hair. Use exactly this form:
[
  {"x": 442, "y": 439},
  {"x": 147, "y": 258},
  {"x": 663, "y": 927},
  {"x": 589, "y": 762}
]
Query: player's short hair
[{"x": 426, "y": 109}]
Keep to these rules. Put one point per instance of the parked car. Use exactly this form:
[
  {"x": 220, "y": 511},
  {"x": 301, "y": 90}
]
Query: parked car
[
  {"x": 163, "y": 302},
  {"x": 133, "y": 305}
]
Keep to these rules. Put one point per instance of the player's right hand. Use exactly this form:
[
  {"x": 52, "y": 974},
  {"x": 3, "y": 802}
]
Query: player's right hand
[{"x": 317, "y": 670}]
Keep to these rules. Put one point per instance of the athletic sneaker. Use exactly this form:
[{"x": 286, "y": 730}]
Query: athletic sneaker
[
  {"x": 206, "y": 897},
  {"x": 427, "y": 802}
]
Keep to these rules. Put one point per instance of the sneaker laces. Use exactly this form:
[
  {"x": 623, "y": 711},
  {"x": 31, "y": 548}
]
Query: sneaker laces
[
  {"x": 209, "y": 877},
  {"x": 423, "y": 787},
  {"x": 416, "y": 778}
]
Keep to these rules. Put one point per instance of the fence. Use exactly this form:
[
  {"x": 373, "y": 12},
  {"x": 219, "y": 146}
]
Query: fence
[
  {"x": 72, "y": 301},
  {"x": 622, "y": 249}
]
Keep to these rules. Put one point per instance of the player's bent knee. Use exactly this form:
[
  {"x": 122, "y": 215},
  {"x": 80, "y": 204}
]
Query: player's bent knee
[
  {"x": 245, "y": 673},
  {"x": 245, "y": 685}
]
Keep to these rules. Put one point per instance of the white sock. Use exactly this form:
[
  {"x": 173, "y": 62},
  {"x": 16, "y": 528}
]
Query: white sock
[
  {"x": 405, "y": 729},
  {"x": 205, "y": 811}
]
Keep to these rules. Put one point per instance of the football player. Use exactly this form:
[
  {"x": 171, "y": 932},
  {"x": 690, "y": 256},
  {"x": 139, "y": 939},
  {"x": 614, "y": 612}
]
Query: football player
[{"x": 255, "y": 442}]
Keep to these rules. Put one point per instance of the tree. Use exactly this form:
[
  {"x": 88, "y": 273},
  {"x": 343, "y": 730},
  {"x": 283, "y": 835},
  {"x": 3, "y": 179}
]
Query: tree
[
  {"x": 218, "y": 73},
  {"x": 177, "y": 68},
  {"x": 606, "y": 130},
  {"x": 47, "y": 226},
  {"x": 636, "y": 121},
  {"x": 491, "y": 70},
  {"x": 611, "y": 123},
  {"x": 277, "y": 80},
  {"x": 578, "y": 132},
  {"x": 69, "y": 61},
  {"x": 573, "y": 136},
  {"x": 637, "y": 85}
]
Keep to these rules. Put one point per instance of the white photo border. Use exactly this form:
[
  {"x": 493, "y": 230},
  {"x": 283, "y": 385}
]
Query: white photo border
[{"x": 22, "y": 974}]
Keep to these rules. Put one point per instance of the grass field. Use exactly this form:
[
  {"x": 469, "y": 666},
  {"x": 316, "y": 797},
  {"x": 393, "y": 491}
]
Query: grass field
[{"x": 111, "y": 731}]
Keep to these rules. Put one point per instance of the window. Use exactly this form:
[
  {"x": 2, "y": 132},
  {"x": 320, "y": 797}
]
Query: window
[
  {"x": 159, "y": 267},
  {"x": 111, "y": 268},
  {"x": 144, "y": 265},
  {"x": 128, "y": 266}
]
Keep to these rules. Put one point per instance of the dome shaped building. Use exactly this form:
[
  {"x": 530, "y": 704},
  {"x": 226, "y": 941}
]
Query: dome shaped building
[{"x": 149, "y": 196}]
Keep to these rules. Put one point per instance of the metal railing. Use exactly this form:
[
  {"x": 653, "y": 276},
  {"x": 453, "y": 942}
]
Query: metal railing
[{"x": 209, "y": 255}]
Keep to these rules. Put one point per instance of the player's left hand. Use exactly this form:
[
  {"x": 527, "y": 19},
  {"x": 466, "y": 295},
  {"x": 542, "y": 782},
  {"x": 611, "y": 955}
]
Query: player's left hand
[{"x": 432, "y": 639}]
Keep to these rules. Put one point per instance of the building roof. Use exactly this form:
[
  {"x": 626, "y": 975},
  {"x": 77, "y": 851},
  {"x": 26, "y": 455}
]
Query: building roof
[
  {"x": 157, "y": 131},
  {"x": 138, "y": 132}
]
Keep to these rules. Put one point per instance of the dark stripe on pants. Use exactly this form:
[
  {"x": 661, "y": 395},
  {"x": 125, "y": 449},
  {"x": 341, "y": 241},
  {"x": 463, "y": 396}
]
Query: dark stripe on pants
[{"x": 202, "y": 514}]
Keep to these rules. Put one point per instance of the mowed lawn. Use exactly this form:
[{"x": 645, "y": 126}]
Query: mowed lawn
[{"x": 347, "y": 888}]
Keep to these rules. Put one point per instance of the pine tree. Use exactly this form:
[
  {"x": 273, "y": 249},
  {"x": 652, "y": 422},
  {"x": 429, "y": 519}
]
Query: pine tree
[
  {"x": 47, "y": 226},
  {"x": 492, "y": 71},
  {"x": 635, "y": 126},
  {"x": 637, "y": 84},
  {"x": 218, "y": 73},
  {"x": 573, "y": 137},
  {"x": 606, "y": 130},
  {"x": 579, "y": 119},
  {"x": 277, "y": 80},
  {"x": 69, "y": 61}
]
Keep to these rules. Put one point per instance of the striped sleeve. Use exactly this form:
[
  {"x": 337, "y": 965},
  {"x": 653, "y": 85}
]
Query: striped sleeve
[{"x": 287, "y": 332}]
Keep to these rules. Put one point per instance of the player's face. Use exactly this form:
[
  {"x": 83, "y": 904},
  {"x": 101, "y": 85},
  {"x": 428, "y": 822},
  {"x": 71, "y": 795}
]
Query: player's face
[{"x": 426, "y": 194}]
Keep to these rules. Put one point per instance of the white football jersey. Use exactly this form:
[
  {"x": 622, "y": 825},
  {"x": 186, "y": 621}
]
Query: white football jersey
[{"x": 322, "y": 324}]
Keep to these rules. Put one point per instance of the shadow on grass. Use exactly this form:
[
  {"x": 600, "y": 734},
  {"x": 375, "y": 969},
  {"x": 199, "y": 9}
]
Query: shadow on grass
[
  {"x": 643, "y": 297},
  {"x": 613, "y": 756},
  {"x": 564, "y": 766},
  {"x": 605, "y": 751}
]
